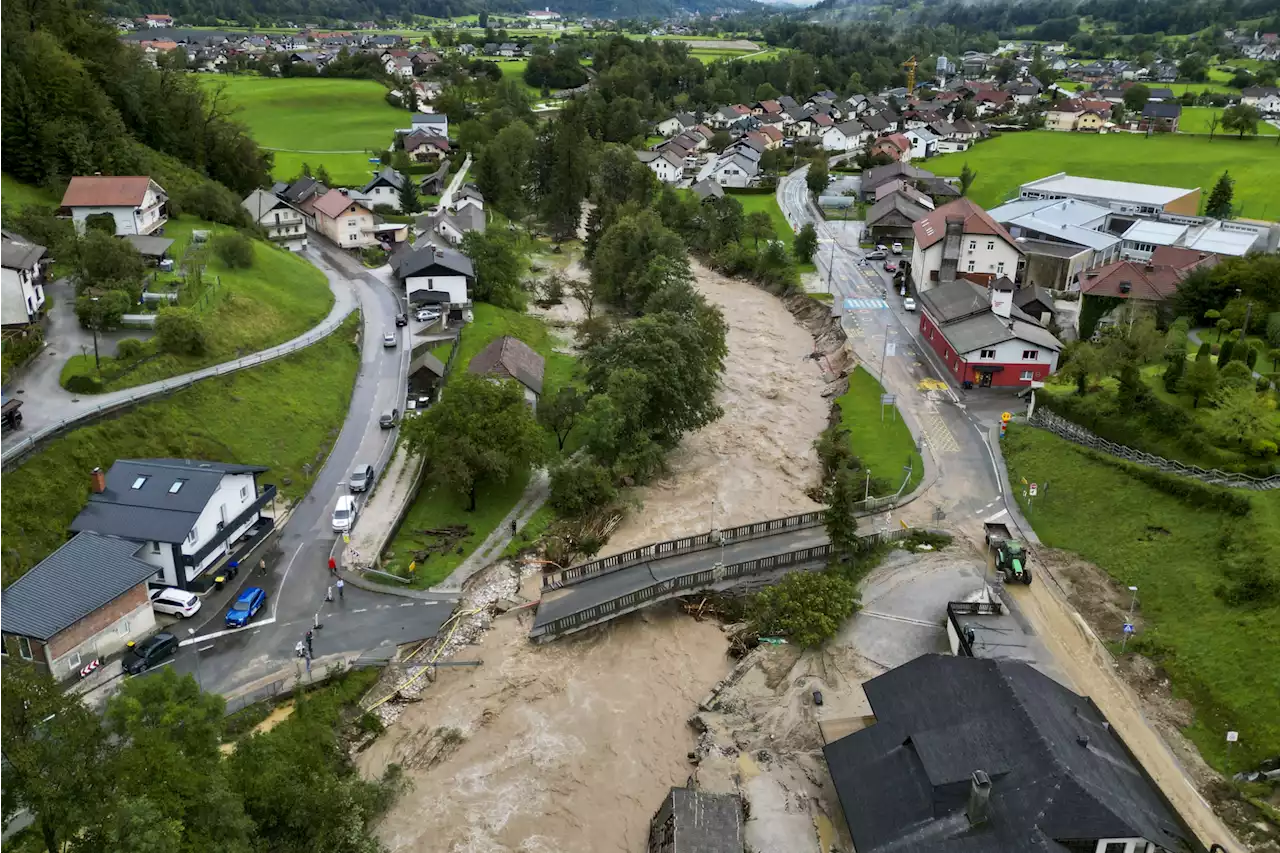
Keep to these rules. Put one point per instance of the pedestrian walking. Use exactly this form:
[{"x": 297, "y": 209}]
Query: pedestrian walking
[
  {"x": 513, "y": 527},
  {"x": 310, "y": 639},
  {"x": 333, "y": 565},
  {"x": 300, "y": 649},
  {"x": 341, "y": 584},
  {"x": 262, "y": 566}
]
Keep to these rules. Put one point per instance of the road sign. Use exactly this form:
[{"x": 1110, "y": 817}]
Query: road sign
[
  {"x": 1232, "y": 737},
  {"x": 346, "y": 539},
  {"x": 1024, "y": 481},
  {"x": 413, "y": 564},
  {"x": 1033, "y": 490},
  {"x": 888, "y": 399},
  {"x": 890, "y": 349},
  {"x": 1128, "y": 627},
  {"x": 1005, "y": 417}
]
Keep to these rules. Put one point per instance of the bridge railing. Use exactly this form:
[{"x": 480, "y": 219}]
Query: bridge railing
[{"x": 701, "y": 579}]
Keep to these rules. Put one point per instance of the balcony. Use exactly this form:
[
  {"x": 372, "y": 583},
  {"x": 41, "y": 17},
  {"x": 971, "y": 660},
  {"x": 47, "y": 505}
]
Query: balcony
[{"x": 224, "y": 533}]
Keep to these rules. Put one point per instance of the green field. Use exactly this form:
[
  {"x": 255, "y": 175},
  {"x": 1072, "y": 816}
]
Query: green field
[
  {"x": 342, "y": 120},
  {"x": 1006, "y": 162},
  {"x": 244, "y": 310},
  {"x": 768, "y": 202},
  {"x": 1224, "y": 659},
  {"x": 278, "y": 415},
  {"x": 1196, "y": 120},
  {"x": 17, "y": 195},
  {"x": 436, "y": 507},
  {"x": 884, "y": 444}
]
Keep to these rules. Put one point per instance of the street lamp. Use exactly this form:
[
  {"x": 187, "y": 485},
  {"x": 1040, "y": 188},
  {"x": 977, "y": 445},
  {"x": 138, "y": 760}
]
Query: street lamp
[{"x": 191, "y": 632}]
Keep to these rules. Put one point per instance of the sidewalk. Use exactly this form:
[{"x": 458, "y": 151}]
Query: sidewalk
[
  {"x": 382, "y": 511},
  {"x": 535, "y": 495}
]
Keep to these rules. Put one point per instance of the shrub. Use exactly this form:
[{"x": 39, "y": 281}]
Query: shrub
[
  {"x": 180, "y": 331},
  {"x": 129, "y": 349},
  {"x": 1206, "y": 349},
  {"x": 807, "y": 607},
  {"x": 1251, "y": 358},
  {"x": 1264, "y": 383},
  {"x": 1224, "y": 351},
  {"x": 234, "y": 250},
  {"x": 211, "y": 201},
  {"x": 1215, "y": 349},
  {"x": 1185, "y": 489},
  {"x": 579, "y": 487},
  {"x": 1235, "y": 373},
  {"x": 83, "y": 383}
]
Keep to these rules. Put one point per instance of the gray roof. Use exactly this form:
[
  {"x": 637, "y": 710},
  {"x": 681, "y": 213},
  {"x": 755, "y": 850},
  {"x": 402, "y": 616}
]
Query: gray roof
[
  {"x": 84, "y": 574},
  {"x": 302, "y": 189},
  {"x": 1153, "y": 109},
  {"x": 511, "y": 358},
  {"x": 702, "y": 822},
  {"x": 19, "y": 255},
  {"x": 463, "y": 219},
  {"x": 387, "y": 176},
  {"x": 152, "y": 512},
  {"x": 896, "y": 203},
  {"x": 707, "y": 188},
  {"x": 150, "y": 247},
  {"x": 425, "y": 258},
  {"x": 1033, "y": 293},
  {"x": 1058, "y": 772},
  {"x": 260, "y": 202}
]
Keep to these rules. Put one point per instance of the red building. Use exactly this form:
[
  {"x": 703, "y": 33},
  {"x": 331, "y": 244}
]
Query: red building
[{"x": 983, "y": 338}]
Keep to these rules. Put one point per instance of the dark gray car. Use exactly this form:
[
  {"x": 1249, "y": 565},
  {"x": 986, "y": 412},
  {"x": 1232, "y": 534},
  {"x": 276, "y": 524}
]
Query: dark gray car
[
  {"x": 361, "y": 478},
  {"x": 150, "y": 652}
]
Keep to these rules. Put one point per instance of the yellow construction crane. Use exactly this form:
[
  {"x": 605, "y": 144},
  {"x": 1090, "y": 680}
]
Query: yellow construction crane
[{"x": 910, "y": 65}]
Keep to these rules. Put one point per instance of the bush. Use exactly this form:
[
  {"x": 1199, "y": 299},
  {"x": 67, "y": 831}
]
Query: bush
[
  {"x": 579, "y": 487},
  {"x": 83, "y": 383},
  {"x": 1185, "y": 489},
  {"x": 1206, "y": 349},
  {"x": 1235, "y": 373},
  {"x": 180, "y": 331},
  {"x": 1263, "y": 385},
  {"x": 1251, "y": 358},
  {"x": 211, "y": 201},
  {"x": 1215, "y": 349},
  {"x": 1224, "y": 351},
  {"x": 129, "y": 349},
  {"x": 807, "y": 607},
  {"x": 234, "y": 250}
]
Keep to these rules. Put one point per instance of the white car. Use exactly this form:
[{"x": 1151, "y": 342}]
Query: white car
[
  {"x": 897, "y": 248},
  {"x": 344, "y": 514},
  {"x": 175, "y": 602},
  {"x": 908, "y": 304},
  {"x": 389, "y": 339},
  {"x": 427, "y": 315}
]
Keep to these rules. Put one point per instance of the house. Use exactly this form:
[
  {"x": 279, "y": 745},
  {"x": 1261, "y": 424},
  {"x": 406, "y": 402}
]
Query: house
[
  {"x": 508, "y": 49},
  {"x": 1265, "y": 98},
  {"x": 707, "y": 189},
  {"x": 878, "y": 176},
  {"x": 1059, "y": 238},
  {"x": 283, "y": 222},
  {"x": 424, "y": 60},
  {"x": 343, "y": 220},
  {"x": 157, "y": 22},
  {"x": 1035, "y": 302},
  {"x": 908, "y": 189},
  {"x": 424, "y": 147},
  {"x": 451, "y": 225},
  {"x": 923, "y": 143},
  {"x": 891, "y": 218},
  {"x": 671, "y": 125},
  {"x": 84, "y": 601},
  {"x": 184, "y": 515},
  {"x": 302, "y": 194},
  {"x": 468, "y": 194},
  {"x": 1142, "y": 284},
  {"x": 731, "y": 170},
  {"x": 435, "y": 276},
  {"x": 695, "y": 821},
  {"x": 1159, "y": 117},
  {"x": 21, "y": 281},
  {"x": 982, "y": 338},
  {"x": 1062, "y": 116},
  {"x": 960, "y": 238},
  {"x": 152, "y": 249},
  {"x": 1160, "y": 94},
  {"x": 399, "y": 66},
  {"x": 511, "y": 358},
  {"x": 973, "y": 754},
  {"x": 846, "y": 136},
  {"x": 136, "y": 204},
  {"x": 1123, "y": 197},
  {"x": 667, "y": 165},
  {"x": 895, "y": 146},
  {"x": 435, "y": 124},
  {"x": 384, "y": 188}
]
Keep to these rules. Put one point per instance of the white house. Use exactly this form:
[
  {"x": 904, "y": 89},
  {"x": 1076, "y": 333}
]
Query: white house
[
  {"x": 436, "y": 124},
  {"x": 667, "y": 165},
  {"x": 21, "y": 281},
  {"x": 136, "y": 203},
  {"x": 399, "y": 66},
  {"x": 846, "y": 136},
  {"x": 731, "y": 170},
  {"x": 185, "y": 514},
  {"x": 435, "y": 276},
  {"x": 284, "y": 223},
  {"x": 670, "y": 126},
  {"x": 384, "y": 189},
  {"x": 452, "y": 225},
  {"x": 960, "y": 238},
  {"x": 923, "y": 143},
  {"x": 344, "y": 220}
]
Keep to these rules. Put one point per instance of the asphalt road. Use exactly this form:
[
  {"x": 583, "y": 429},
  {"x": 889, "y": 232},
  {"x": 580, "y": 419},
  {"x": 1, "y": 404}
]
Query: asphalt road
[{"x": 296, "y": 585}]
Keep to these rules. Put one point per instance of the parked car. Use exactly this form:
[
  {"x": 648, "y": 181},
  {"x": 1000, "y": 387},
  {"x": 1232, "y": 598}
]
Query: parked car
[
  {"x": 876, "y": 255},
  {"x": 344, "y": 514},
  {"x": 150, "y": 652},
  {"x": 175, "y": 602},
  {"x": 890, "y": 266},
  {"x": 389, "y": 419},
  {"x": 881, "y": 247},
  {"x": 389, "y": 339},
  {"x": 427, "y": 315},
  {"x": 246, "y": 607},
  {"x": 361, "y": 478},
  {"x": 908, "y": 304},
  {"x": 896, "y": 248},
  {"x": 402, "y": 320}
]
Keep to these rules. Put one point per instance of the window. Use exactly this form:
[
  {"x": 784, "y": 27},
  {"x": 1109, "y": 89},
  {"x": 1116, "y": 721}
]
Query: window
[
  {"x": 987, "y": 353},
  {"x": 971, "y": 265},
  {"x": 946, "y": 353},
  {"x": 141, "y": 481},
  {"x": 1030, "y": 354},
  {"x": 991, "y": 245},
  {"x": 1000, "y": 268},
  {"x": 1027, "y": 376},
  {"x": 176, "y": 487},
  {"x": 1115, "y": 847},
  {"x": 973, "y": 245},
  {"x": 191, "y": 537},
  {"x": 351, "y": 238},
  {"x": 351, "y": 223},
  {"x": 24, "y": 648},
  {"x": 155, "y": 547},
  {"x": 244, "y": 491},
  {"x": 73, "y": 661}
]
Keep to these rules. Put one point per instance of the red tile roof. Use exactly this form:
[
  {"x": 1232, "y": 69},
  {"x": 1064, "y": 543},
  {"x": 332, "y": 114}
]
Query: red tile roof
[
  {"x": 1132, "y": 280},
  {"x": 333, "y": 203},
  {"x": 106, "y": 191},
  {"x": 772, "y": 132},
  {"x": 933, "y": 227},
  {"x": 1182, "y": 259},
  {"x": 823, "y": 120},
  {"x": 771, "y": 106}
]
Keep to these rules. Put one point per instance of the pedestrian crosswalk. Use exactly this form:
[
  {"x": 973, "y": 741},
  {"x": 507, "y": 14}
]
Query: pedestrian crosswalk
[{"x": 864, "y": 304}]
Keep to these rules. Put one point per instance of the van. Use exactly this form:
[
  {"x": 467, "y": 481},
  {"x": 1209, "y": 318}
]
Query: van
[
  {"x": 344, "y": 514},
  {"x": 175, "y": 602}
]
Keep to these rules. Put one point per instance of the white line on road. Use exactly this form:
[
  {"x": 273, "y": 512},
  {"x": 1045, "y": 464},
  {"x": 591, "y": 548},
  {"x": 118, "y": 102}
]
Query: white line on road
[
  {"x": 907, "y": 619},
  {"x": 994, "y": 470},
  {"x": 216, "y": 634},
  {"x": 999, "y": 515},
  {"x": 408, "y": 604},
  {"x": 275, "y": 600},
  {"x": 361, "y": 610}
]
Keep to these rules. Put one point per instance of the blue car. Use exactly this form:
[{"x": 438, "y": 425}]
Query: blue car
[{"x": 249, "y": 603}]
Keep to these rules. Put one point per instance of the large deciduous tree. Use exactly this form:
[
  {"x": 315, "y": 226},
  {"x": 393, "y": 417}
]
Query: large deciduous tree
[
  {"x": 1241, "y": 119},
  {"x": 498, "y": 266},
  {"x": 807, "y": 607}
]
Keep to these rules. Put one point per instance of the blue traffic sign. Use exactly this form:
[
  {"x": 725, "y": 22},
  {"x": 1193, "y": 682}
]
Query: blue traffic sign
[{"x": 1128, "y": 627}]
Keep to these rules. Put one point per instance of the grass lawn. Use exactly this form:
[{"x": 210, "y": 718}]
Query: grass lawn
[
  {"x": 1196, "y": 120},
  {"x": 17, "y": 195},
  {"x": 1180, "y": 89},
  {"x": 436, "y": 507},
  {"x": 277, "y": 415},
  {"x": 709, "y": 55},
  {"x": 1224, "y": 659},
  {"x": 884, "y": 446},
  {"x": 245, "y": 310},
  {"x": 1003, "y": 164},
  {"x": 768, "y": 203},
  {"x": 514, "y": 69},
  {"x": 342, "y": 119}
]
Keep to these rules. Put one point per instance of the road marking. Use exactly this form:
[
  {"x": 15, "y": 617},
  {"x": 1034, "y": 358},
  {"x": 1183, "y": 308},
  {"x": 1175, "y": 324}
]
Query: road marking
[
  {"x": 905, "y": 619},
  {"x": 992, "y": 456},
  {"x": 216, "y": 634},
  {"x": 275, "y": 599},
  {"x": 999, "y": 515},
  {"x": 408, "y": 604},
  {"x": 940, "y": 437},
  {"x": 361, "y": 610},
  {"x": 864, "y": 304}
]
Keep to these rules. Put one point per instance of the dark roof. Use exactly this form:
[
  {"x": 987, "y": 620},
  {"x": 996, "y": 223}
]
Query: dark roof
[
  {"x": 150, "y": 247},
  {"x": 422, "y": 260},
  {"x": 18, "y": 255},
  {"x": 701, "y": 822},
  {"x": 86, "y": 573},
  {"x": 1152, "y": 109},
  {"x": 707, "y": 188},
  {"x": 895, "y": 203},
  {"x": 387, "y": 176},
  {"x": 303, "y": 188},
  {"x": 152, "y": 512},
  {"x": 877, "y": 175},
  {"x": 1033, "y": 293},
  {"x": 1058, "y": 773},
  {"x": 511, "y": 358}
]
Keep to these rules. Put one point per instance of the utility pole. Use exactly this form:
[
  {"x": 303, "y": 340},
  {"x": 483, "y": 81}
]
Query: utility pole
[
  {"x": 831, "y": 263},
  {"x": 1128, "y": 624}
]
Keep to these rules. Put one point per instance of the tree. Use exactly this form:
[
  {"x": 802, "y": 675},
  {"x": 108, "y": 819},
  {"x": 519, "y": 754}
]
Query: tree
[
  {"x": 102, "y": 312},
  {"x": 1175, "y": 368},
  {"x": 181, "y": 331},
  {"x": 322, "y": 175},
  {"x": 408, "y": 195},
  {"x": 498, "y": 267},
  {"x": 1242, "y": 415},
  {"x": 564, "y": 175},
  {"x": 104, "y": 262},
  {"x": 1241, "y": 118},
  {"x": 1136, "y": 97},
  {"x": 818, "y": 177},
  {"x": 1274, "y": 357},
  {"x": 559, "y": 412},
  {"x": 581, "y": 487},
  {"x": 759, "y": 224},
  {"x": 1205, "y": 351},
  {"x": 480, "y": 432},
  {"x": 234, "y": 249},
  {"x": 1215, "y": 121},
  {"x": 720, "y": 140},
  {"x": 636, "y": 256},
  {"x": 807, "y": 607},
  {"x": 841, "y": 496},
  {"x": 1223, "y": 326},
  {"x": 766, "y": 92},
  {"x": 1219, "y": 204},
  {"x": 806, "y": 243},
  {"x": 1225, "y": 350},
  {"x": 1085, "y": 362},
  {"x": 1193, "y": 68},
  {"x": 967, "y": 177},
  {"x": 483, "y": 19},
  {"x": 1200, "y": 381}
]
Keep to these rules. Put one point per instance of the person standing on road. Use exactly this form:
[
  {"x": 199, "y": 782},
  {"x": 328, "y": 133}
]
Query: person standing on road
[
  {"x": 300, "y": 649},
  {"x": 333, "y": 566},
  {"x": 310, "y": 639},
  {"x": 341, "y": 584}
]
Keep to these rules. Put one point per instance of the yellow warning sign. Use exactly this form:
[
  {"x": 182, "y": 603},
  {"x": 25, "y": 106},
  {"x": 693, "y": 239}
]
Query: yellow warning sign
[{"x": 1006, "y": 417}]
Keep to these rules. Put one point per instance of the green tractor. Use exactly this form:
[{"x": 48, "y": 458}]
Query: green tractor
[{"x": 1011, "y": 557}]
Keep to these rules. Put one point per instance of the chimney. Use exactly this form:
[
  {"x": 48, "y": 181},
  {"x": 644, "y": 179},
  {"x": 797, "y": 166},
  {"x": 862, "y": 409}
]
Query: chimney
[
  {"x": 979, "y": 798},
  {"x": 98, "y": 481}
]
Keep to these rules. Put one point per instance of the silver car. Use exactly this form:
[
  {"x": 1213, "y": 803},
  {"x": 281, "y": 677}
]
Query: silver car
[
  {"x": 361, "y": 478},
  {"x": 389, "y": 339}
]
